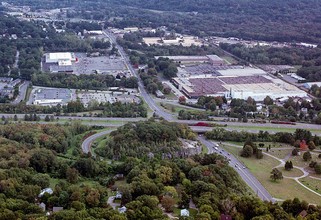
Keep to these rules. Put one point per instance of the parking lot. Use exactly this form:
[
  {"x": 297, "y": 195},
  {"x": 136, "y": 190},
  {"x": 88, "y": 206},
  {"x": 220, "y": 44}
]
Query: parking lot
[
  {"x": 92, "y": 97},
  {"x": 99, "y": 65},
  {"x": 110, "y": 65}
]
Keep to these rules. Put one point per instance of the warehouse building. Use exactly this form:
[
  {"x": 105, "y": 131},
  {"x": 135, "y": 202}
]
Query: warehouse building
[
  {"x": 62, "y": 59},
  {"x": 242, "y": 87},
  {"x": 51, "y": 96},
  {"x": 59, "y": 62},
  {"x": 212, "y": 59}
]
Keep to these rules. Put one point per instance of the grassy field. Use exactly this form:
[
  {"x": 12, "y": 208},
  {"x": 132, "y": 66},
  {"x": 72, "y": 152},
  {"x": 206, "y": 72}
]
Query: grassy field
[
  {"x": 288, "y": 189},
  {"x": 291, "y": 173},
  {"x": 204, "y": 149},
  {"x": 283, "y": 189},
  {"x": 170, "y": 107},
  {"x": 28, "y": 92},
  {"x": 274, "y": 144},
  {"x": 171, "y": 96},
  {"x": 279, "y": 153},
  {"x": 298, "y": 160},
  {"x": 274, "y": 129},
  {"x": 312, "y": 184},
  {"x": 233, "y": 150}
]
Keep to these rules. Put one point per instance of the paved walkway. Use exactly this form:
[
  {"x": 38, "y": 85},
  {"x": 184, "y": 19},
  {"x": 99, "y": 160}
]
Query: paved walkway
[{"x": 297, "y": 179}]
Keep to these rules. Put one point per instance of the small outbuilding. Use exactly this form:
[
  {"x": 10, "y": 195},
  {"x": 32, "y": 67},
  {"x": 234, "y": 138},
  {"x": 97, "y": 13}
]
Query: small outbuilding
[{"x": 185, "y": 212}]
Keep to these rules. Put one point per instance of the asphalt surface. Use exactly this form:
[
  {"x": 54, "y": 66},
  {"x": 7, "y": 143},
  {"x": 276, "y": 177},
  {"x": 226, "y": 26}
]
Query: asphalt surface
[
  {"x": 237, "y": 165},
  {"x": 239, "y": 126},
  {"x": 244, "y": 173},
  {"x": 86, "y": 144},
  {"x": 150, "y": 102},
  {"x": 22, "y": 92}
]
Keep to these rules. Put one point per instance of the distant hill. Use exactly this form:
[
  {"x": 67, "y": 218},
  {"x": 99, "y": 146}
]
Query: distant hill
[{"x": 260, "y": 19}]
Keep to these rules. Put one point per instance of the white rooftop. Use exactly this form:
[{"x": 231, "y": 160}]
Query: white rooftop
[
  {"x": 60, "y": 56},
  {"x": 242, "y": 72}
]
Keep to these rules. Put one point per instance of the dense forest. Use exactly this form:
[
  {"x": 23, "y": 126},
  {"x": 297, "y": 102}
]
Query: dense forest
[
  {"x": 308, "y": 58},
  {"x": 65, "y": 80},
  {"x": 280, "y": 137},
  {"x": 140, "y": 138},
  {"x": 261, "y": 20},
  {"x": 116, "y": 109},
  {"x": 35, "y": 157}
]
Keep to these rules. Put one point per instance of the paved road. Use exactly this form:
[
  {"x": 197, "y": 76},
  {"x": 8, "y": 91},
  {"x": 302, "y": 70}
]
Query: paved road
[
  {"x": 238, "y": 125},
  {"x": 245, "y": 174},
  {"x": 150, "y": 102},
  {"x": 86, "y": 144},
  {"x": 22, "y": 92}
]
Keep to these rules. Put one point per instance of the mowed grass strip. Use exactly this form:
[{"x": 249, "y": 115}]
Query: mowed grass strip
[
  {"x": 291, "y": 173},
  {"x": 281, "y": 154},
  {"x": 282, "y": 189},
  {"x": 274, "y": 129},
  {"x": 289, "y": 189},
  {"x": 298, "y": 160},
  {"x": 313, "y": 184}
]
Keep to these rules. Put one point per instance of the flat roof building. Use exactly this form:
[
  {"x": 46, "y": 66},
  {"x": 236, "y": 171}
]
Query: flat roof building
[
  {"x": 60, "y": 57},
  {"x": 242, "y": 87},
  {"x": 212, "y": 59},
  {"x": 52, "y": 96}
]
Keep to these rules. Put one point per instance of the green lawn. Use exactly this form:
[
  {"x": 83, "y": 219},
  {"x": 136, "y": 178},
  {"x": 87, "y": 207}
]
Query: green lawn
[
  {"x": 169, "y": 107},
  {"x": 313, "y": 184},
  {"x": 273, "y": 144},
  {"x": 298, "y": 160},
  {"x": 281, "y": 154},
  {"x": 171, "y": 96},
  {"x": 283, "y": 189},
  {"x": 233, "y": 150},
  {"x": 28, "y": 92},
  {"x": 204, "y": 149},
  {"x": 291, "y": 173},
  {"x": 288, "y": 189},
  {"x": 275, "y": 129}
]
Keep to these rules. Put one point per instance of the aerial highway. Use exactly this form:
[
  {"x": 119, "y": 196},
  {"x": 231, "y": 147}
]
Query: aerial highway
[
  {"x": 86, "y": 144},
  {"x": 150, "y": 102},
  {"x": 230, "y": 125},
  {"x": 245, "y": 174}
]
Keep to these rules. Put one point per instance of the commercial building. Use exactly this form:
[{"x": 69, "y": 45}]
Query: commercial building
[
  {"x": 60, "y": 58},
  {"x": 212, "y": 59},
  {"x": 242, "y": 87},
  {"x": 51, "y": 96}
]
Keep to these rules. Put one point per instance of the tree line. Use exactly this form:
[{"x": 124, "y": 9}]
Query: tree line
[
  {"x": 141, "y": 138},
  {"x": 90, "y": 82}
]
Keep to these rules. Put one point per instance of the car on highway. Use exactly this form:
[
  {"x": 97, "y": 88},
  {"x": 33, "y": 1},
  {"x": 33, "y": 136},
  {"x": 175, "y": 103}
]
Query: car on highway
[
  {"x": 215, "y": 148},
  {"x": 244, "y": 167}
]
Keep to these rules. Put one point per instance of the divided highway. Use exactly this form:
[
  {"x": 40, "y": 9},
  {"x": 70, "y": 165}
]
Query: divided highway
[
  {"x": 245, "y": 174},
  {"x": 150, "y": 102}
]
